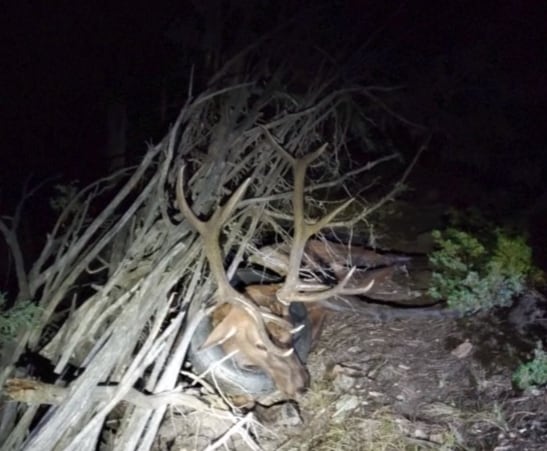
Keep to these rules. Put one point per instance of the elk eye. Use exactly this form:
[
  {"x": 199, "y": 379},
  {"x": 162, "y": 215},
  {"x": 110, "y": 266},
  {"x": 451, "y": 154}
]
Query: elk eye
[{"x": 260, "y": 346}]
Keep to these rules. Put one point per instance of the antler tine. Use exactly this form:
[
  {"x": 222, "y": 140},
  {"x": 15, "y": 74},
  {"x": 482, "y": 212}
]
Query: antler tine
[
  {"x": 292, "y": 288},
  {"x": 210, "y": 230},
  {"x": 338, "y": 290},
  {"x": 210, "y": 235},
  {"x": 303, "y": 230}
]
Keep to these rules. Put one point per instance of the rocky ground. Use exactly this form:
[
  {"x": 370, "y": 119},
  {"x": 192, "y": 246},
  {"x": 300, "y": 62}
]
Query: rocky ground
[
  {"x": 418, "y": 384},
  {"x": 413, "y": 384},
  {"x": 408, "y": 385}
]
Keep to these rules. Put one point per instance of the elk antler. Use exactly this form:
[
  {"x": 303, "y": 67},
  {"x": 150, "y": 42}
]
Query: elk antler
[
  {"x": 210, "y": 234},
  {"x": 293, "y": 288}
]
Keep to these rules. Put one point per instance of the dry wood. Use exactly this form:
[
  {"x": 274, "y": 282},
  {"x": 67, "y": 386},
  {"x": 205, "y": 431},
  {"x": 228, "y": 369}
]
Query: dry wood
[
  {"x": 113, "y": 287},
  {"x": 31, "y": 391}
]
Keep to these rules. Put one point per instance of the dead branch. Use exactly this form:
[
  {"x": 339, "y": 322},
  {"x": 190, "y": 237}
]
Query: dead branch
[
  {"x": 30, "y": 391},
  {"x": 146, "y": 266},
  {"x": 10, "y": 236}
]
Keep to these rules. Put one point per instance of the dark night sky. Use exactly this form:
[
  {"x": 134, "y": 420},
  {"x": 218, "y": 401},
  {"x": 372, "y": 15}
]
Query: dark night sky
[{"x": 64, "y": 64}]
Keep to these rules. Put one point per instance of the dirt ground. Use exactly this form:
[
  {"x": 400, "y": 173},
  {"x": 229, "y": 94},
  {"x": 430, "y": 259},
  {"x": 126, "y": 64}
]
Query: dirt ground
[
  {"x": 408, "y": 385},
  {"x": 418, "y": 384},
  {"x": 412, "y": 384}
]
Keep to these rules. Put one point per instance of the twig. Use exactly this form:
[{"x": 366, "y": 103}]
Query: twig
[{"x": 239, "y": 428}]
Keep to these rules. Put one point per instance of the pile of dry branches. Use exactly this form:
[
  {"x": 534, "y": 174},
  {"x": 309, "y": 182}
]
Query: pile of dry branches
[{"x": 113, "y": 288}]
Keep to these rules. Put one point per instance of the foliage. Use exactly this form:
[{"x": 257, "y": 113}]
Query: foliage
[
  {"x": 469, "y": 220},
  {"x": 534, "y": 372},
  {"x": 64, "y": 194},
  {"x": 22, "y": 314},
  {"x": 479, "y": 271}
]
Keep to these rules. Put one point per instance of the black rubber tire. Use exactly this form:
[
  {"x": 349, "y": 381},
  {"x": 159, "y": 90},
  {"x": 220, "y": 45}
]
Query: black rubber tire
[{"x": 229, "y": 377}]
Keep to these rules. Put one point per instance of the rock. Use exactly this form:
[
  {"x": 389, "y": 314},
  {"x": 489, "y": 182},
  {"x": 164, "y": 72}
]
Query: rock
[
  {"x": 343, "y": 383},
  {"x": 280, "y": 415},
  {"x": 344, "y": 406},
  {"x": 530, "y": 309},
  {"x": 462, "y": 350}
]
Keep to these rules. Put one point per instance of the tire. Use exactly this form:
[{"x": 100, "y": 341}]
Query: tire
[{"x": 232, "y": 379}]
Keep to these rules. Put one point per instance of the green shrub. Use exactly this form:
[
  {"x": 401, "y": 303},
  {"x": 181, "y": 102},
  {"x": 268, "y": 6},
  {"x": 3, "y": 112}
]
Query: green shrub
[
  {"x": 534, "y": 372},
  {"x": 22, "y": 314},
  {"x": 474, "y": 272}
]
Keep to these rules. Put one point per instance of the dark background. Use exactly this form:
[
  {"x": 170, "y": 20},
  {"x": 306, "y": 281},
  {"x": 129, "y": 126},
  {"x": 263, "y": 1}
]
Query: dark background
[{"x": 473, "y": 72}]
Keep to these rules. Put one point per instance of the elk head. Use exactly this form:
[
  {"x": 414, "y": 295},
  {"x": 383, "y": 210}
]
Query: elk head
[
  {"x": 242, "y": 326},
  {"x": 238, "y": 333}
]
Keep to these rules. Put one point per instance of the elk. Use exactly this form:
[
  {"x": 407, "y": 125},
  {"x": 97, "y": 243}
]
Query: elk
[
  {"x": 263, "y": 338},
  {"x": 243, "y": 327}
]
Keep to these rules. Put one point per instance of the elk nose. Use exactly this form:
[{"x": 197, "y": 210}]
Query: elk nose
[
  {"x": 302, "y": 390},
  {"x": 303, "y": 386}
]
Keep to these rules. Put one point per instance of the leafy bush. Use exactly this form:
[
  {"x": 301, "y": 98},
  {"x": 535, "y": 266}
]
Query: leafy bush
[
  {"x": 534, "y": 372},
  {"x": 475, "y": 273},
  {"x": 22, "y": 314}
]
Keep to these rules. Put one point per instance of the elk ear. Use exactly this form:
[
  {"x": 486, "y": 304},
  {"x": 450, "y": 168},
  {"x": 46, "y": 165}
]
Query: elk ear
[{"x": 220, "y": 334}]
